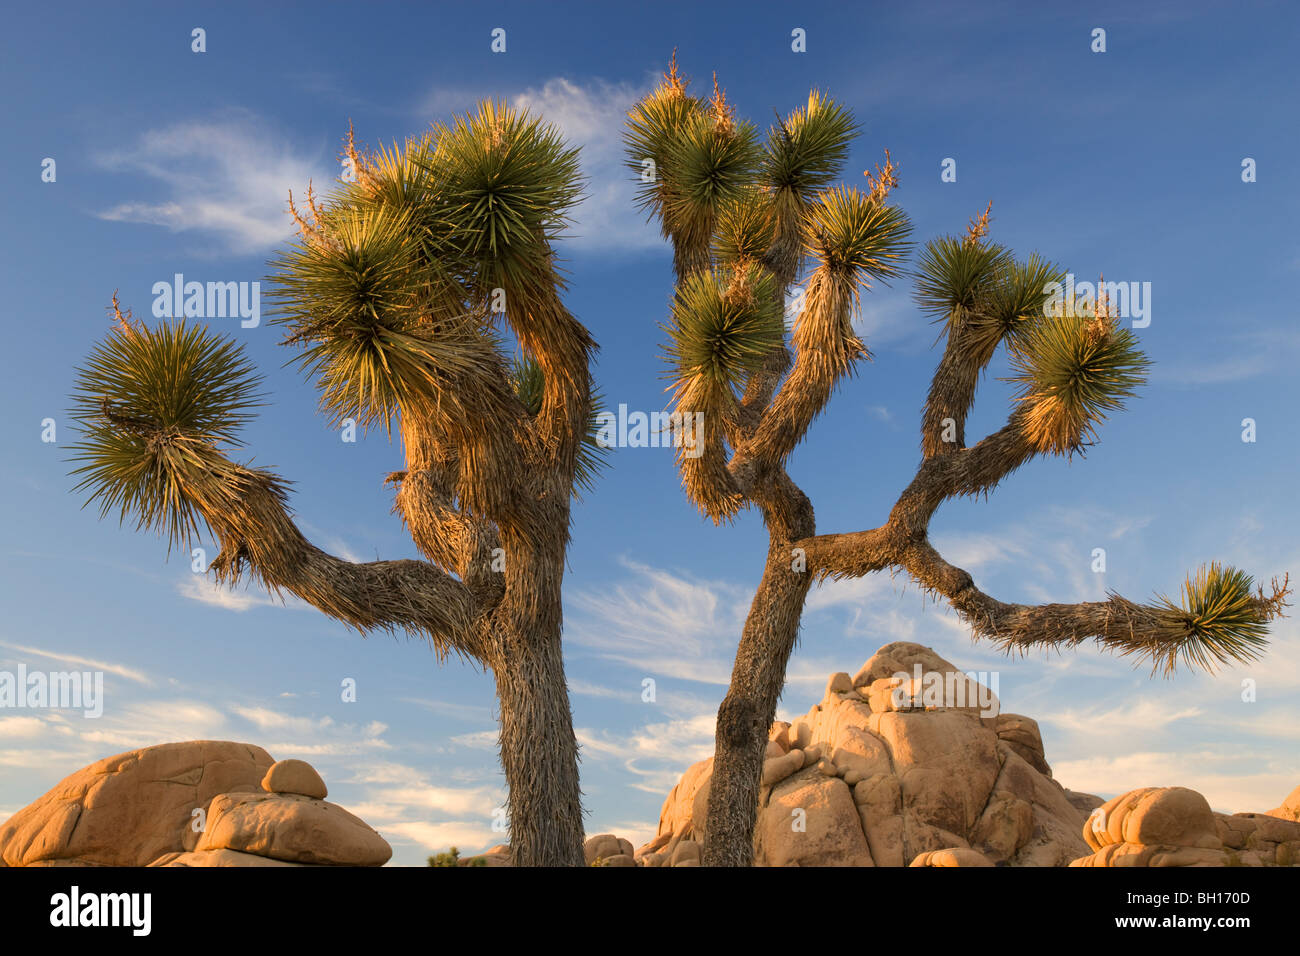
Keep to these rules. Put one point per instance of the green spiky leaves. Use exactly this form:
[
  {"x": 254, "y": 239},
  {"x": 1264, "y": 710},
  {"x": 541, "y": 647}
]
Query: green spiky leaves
[
  {"x": 955, "y": 275},
  {"x": 745, "y": 228},
  {"x": 653, "y": 126},
  {"x": 152, "y": 405},
  {"x": 592, "y": 457},
  {"x": 724, "y": 325},
  {"x": 1220, "y": 619},
  {"x": 507, "y": 182},
  {"x": 1072, "y": 370},
  {"x": 693, "y": 159},
  {"x": 805, "y": 153},
  {"x": 359, "y": 301},
  {"x": 854, "y": 237},
  {"x": 1005, "y": 306}
]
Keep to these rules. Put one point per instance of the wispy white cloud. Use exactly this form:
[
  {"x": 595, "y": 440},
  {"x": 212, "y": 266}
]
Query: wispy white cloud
[
  {"x": 1233, "y": 779},
  {"x": 197, "y": 587},
  {"x": 447, "y": 708},
  {"x": 654, "y": 754},
  {"x": 591, "y": 115},
  {"x": 663, "y": 623},
  {"x": 1245, "y": 356},
  {"x": 78, "y": 661},
  {"x": 227, "y": 177},
  {"x": 18, "y": 727}
]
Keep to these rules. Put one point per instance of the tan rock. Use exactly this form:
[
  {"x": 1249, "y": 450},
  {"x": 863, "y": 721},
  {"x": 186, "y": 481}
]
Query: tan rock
[
  {"x": 131, "y": 808},
  {"x": 899, "y": 657},
  {"x": 293, "y": 828},
  {"x": 1175, "y": 816},
  {"x": 885, "y": 695},
  {"x": 688, "y": 851},
  {"x": 1005, "y": 826},
  {"x": 840, "y": 683},
  {"x": 498, "y": 855},
  {"x": 1234, "y": 830},
  {"x": 1083, "y": 802},
  {"x": 600, "y": 846},
  {"x": 1273, "y": 828},
  {"x": 952, "y": 856},
  {"x": 810, "y": 820},
  {"x": 219, "y": 858},
  {"x": 947, "y": 763},
  {"x": 1290, "y": 807},
  {"x": 1023, "y": 736},
  {"x": 800, "y": 734},
  {"x": 776, "y": 769},
  {"x": 780, "y": 734},
  {"x": 879, "y": 800},
  {"x": 860, "y": 750},
  {"x": 678, "y": 810},
  {"x": 294, "y": 776}
]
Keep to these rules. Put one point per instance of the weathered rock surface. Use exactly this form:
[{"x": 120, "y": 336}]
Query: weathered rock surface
[
  {"x": 198, "y": 803},
  {"x": 908, "y": 757},
  {"x": 294, "y": 776},
  {"x": 1174, "y": 826},
  {"x": 939, "y": 776},
  {"x": 293, "y": 828}
]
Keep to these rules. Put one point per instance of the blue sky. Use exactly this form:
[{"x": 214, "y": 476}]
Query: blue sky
[{"x": 1126, "y": 162}]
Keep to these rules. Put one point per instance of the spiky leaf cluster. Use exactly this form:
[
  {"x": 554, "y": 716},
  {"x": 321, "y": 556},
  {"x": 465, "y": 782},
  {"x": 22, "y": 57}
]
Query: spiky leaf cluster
[
  {"x": 360, "y": 305},
  {"x": 1218, "y": 620},
  {"x": 856, "y": 237},
  {"x": 388, "y": 290},
  {"x": 806, "y": 152},
  {"x": 745, "y": 229},
  {"x": 592, "y": 458},
  {"x": 150, "y": 403},
  {"x": 723, "y": 325},
  {"x": 1071, "y": 371},
  {"x": 653, "y": 126},
  {"x": 955, "y": 276},
  {"x": 506, "y": 182}
]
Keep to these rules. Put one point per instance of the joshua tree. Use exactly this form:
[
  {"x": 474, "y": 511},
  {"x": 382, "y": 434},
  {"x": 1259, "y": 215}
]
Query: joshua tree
[
  {"x": 747, "y": 219},
  {"x": 400, "y": 291}
]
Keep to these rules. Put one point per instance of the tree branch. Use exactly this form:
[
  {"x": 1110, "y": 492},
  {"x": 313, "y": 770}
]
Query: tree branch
[
  {"x": 246, "y": 510},
  {"x": 1155, "y": 633}
]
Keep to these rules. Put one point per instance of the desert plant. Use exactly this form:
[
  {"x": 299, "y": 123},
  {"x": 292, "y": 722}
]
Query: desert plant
[
  {"x": 447, "y": 858},
  {"x": 400, "y": 290},
  {"x": 749, "y": 218}
]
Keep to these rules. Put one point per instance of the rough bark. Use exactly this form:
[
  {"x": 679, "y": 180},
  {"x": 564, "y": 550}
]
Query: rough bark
[
  {"x": 539, "y": 751},
  {"x": 746, "y": 713},
  {"x": 758, "y": 675}
]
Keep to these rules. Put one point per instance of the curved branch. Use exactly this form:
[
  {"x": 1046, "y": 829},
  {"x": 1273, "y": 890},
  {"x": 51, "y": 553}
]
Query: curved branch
[
  {"x": 1147, "y": 632},
  {"x": 825, "y": 350},
  {"x": 951, "y": 396},
  {"x": 246, "y": 510}
]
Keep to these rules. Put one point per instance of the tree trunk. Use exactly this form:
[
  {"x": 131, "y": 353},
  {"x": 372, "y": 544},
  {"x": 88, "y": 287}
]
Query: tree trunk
[
  {"x": 539, "y": 752},
  {"x": 749, "y": 708}
]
